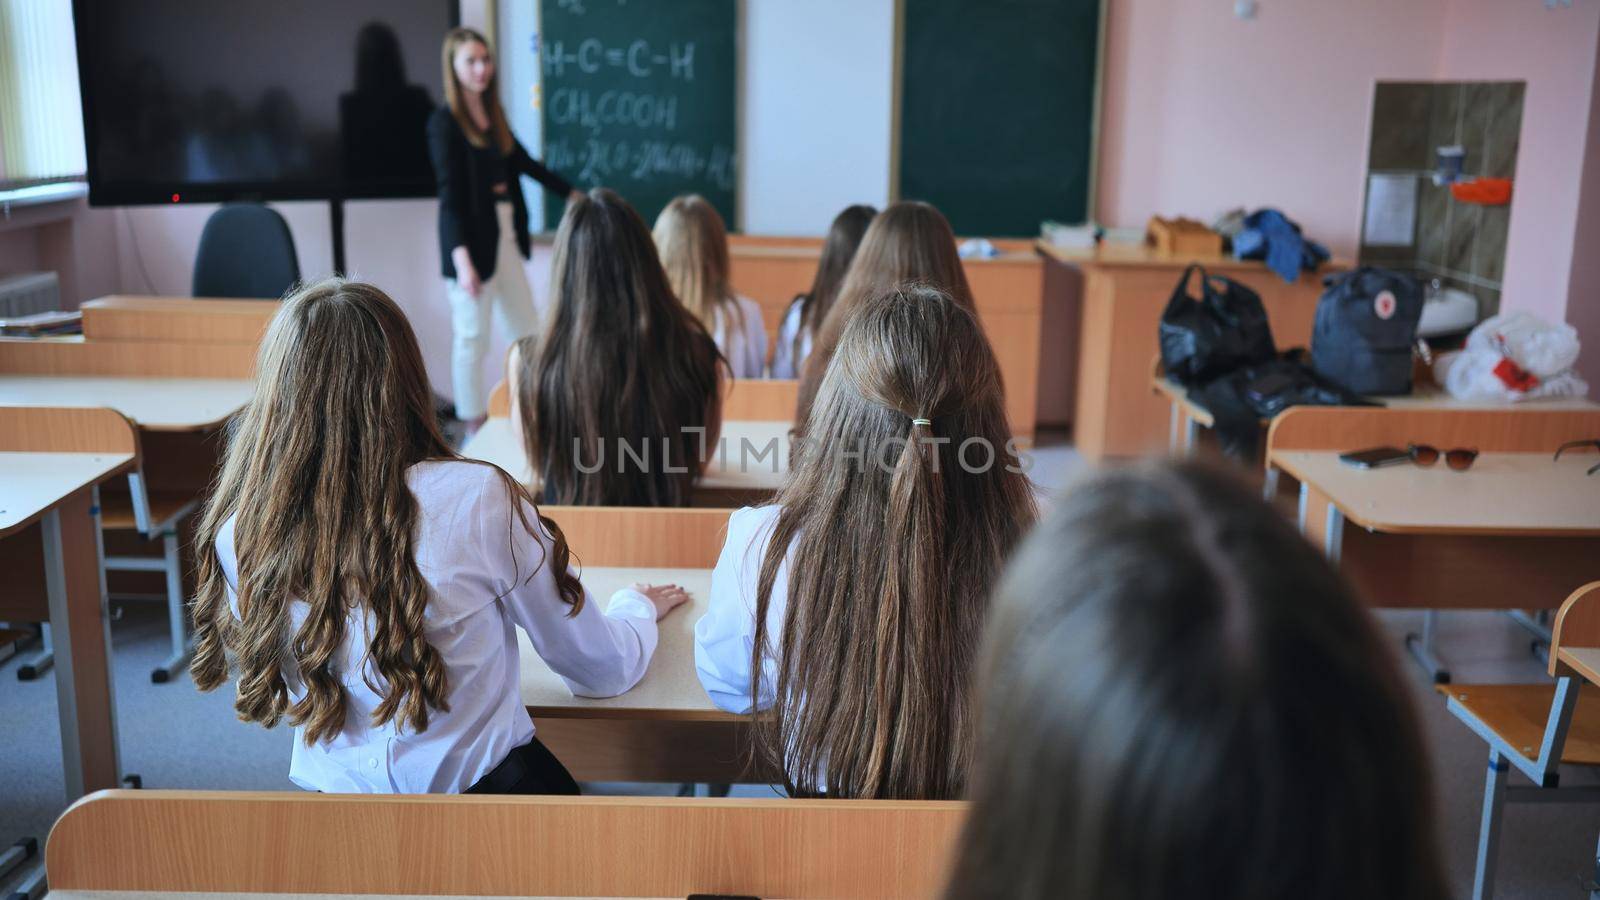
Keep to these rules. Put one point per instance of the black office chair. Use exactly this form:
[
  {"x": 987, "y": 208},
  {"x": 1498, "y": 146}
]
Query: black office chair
[{"x": 245, "y": 251}]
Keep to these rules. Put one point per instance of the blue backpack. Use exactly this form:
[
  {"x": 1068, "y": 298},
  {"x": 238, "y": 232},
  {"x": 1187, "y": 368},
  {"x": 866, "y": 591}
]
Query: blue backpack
[{"x": 1366, "y": 324}]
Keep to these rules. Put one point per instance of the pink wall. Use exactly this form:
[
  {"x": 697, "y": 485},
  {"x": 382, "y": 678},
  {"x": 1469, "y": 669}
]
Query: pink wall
[
  {"x": 1203, "y": 112},
  {"x": 1583, "y": 297}
]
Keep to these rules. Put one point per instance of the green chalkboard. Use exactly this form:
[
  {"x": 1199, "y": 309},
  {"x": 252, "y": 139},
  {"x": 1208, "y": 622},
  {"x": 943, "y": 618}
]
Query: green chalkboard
[
  {"x": 639, "y": 97},
  {"x": 997, "y": 111}
]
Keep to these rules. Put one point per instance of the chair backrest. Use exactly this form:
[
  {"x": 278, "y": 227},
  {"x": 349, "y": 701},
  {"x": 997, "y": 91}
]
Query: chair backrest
[
  {"x": 1577, "y": 623},
  {"x": 1525, "y": 429},
  {"x": 299, "y": 843},
  {"x": 246, "y": 250},
  {"x": 660, "y": 537}
]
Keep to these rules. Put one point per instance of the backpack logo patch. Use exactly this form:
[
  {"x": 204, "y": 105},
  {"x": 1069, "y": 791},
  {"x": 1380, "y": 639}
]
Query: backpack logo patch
[{"x": 1384, "y": 305}]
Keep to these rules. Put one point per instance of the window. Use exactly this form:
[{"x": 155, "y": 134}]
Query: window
[{"x": 41, "y": 119}]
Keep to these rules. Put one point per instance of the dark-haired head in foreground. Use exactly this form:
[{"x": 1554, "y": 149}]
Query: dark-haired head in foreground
[{"x": 1180, "y": 697}]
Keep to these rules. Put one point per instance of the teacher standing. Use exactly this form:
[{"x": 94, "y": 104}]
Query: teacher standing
[{"x": 483, "y": 219}]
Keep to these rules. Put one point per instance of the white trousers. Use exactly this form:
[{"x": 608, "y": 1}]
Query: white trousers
[{"x": 508, "y": 293}]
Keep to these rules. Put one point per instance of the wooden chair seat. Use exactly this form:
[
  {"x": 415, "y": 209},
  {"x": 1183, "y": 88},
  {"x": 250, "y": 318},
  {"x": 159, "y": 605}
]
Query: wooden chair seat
[
  {"x": 1518, "y": 713},
  {"x": 116, "y": 510}
]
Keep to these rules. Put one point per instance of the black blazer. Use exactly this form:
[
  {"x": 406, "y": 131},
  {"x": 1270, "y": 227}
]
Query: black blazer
[{"x": 466, "y": 176}]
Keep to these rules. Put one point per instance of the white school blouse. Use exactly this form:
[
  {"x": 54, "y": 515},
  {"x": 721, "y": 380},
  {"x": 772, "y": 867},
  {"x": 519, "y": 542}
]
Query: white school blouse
[
  {"x": 784, "y": 362},
  {"x": 475, "y": 557},
  {"x": 725, "y": 636},
  {"x": 745, "y": 347}
]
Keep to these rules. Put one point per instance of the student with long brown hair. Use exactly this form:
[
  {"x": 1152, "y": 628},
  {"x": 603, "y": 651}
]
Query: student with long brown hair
[
  {"x": 908, "y": 242},
  {"x": 808, "y": 310},
  {"x": 1180, "y": 697},
  {"x": 860, "y": 594},
  {"x": 693, "y": 243},
  {"x": 483, "y": 218},
  {"x": 364, "y": 580},
  {"x": 618, "y": 403}
]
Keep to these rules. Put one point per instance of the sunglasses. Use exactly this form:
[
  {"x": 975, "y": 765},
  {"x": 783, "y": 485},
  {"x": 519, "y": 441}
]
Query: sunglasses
[
  {"x": 1460, "y": 459},
  {"x": 1573, "y": 445}
]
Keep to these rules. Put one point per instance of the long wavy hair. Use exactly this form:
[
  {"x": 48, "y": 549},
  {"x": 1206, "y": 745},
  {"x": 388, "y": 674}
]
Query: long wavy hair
[
  {"x": 908, "y": 242},
  {"x": 620, "y": 360},
  {"x": 314, "y": 478},
  {"x": 693, "y": 243},
  {"x": 838, "y": 249},
  {"x": 499, "y": 129},
  {"x": 891, "y": 555},
  {"x": 1180, "y": 696}
]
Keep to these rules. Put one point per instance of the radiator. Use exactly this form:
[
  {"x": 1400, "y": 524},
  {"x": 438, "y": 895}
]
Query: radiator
[{"x": 26, "y": 293}]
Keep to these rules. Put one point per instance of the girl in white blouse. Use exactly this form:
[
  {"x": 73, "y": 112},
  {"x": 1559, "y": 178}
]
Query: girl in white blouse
[
  {"x": 365, "y": 580},
  {"x": 860, "y": 595},
  {"x": 693, "y": 243},
  {"x": 801, "y": 319}
]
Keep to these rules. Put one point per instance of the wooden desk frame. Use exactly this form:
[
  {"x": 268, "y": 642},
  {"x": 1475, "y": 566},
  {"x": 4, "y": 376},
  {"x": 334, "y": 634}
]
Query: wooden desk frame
[
  {"x": 67, "y": 537},
  {"x": 1436, "y": 571},
  {"x": 599, "y": 744},
  {"x": 176, "y": 841}
]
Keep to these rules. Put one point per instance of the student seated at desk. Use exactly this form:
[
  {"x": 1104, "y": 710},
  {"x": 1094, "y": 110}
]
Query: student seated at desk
[
  {"x": 694, "y": 250},
  {"x": 622, "y": 369},
  {"x": 908, "y": 242},
  {"x": 860, "y": 594},
  {"x": 809, "y": 309},
  {"x": 1180, "y": 697},
  {"x": 364, "y": 579}
]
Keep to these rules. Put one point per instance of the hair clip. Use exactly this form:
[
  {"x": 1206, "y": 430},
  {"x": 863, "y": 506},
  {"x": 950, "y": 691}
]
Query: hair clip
[{"x": 927, "y": 422}]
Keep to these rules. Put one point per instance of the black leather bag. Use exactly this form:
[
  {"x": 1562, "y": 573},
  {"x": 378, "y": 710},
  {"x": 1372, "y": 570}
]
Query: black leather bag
[
  {"x": 1366, "y": 324},
  {"x": 1213, "y": 334}
]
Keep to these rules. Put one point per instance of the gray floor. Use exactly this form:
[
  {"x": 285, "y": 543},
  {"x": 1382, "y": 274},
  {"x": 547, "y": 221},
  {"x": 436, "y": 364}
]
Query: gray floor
[{"x": 175, "y": 737}]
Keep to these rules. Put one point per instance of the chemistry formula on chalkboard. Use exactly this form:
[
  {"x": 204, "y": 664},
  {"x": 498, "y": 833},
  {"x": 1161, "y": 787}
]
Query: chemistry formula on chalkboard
[{"x": 639, "y": 98}]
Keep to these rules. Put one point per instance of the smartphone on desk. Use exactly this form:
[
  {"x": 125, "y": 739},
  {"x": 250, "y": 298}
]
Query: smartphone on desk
[{"x": 1375, "y": 457}]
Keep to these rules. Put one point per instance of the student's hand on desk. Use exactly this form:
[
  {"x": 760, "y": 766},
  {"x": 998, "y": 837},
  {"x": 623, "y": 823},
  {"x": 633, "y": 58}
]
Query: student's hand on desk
[{"x": 666, "y": 597}]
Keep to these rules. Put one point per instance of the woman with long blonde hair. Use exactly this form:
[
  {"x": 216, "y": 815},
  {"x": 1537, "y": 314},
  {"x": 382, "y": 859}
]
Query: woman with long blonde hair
[
  {"x": 364, "y": 580},
  {"x": 910, "y": 241},
  {"x": 693, "y": 243},
  {"x": 483, "y": 218},
  {"x": 618, "y": 404},
  {"x": 859, "y": 595}
]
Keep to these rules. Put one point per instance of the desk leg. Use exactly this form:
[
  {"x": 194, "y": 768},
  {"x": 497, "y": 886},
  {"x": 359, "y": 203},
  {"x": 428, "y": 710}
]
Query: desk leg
[
  {"x": 1191, "y": 434},
  {"x": 81, "y": 633},
  {"x": 1174, "y": 431}
]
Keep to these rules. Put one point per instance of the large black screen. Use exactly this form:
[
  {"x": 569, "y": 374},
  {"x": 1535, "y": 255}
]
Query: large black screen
[{"x": 208, "y": 100}]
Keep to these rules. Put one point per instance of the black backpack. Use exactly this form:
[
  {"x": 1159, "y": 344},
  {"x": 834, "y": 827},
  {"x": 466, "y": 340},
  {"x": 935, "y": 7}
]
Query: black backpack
[{"x": 1366, "y": 324}]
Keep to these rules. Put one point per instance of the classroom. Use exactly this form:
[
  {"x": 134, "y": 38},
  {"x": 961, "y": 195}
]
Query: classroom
[{"x": 800, "y": 448}]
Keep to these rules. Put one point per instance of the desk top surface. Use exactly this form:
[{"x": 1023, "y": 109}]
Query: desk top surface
[
  {"x": 752, "y": 455},
  {"x": 1117, "y": 255},
  {"x": 31, "y": 483},
  {"x": 670, "y": 689},
  {"x": 1510, "y": 494},
  {"x": 195, "y": 895},
  {"x": 1429, "y": 397},
  {"x": 1585, "y": 660},
  {"x": 154, "y": 404}
]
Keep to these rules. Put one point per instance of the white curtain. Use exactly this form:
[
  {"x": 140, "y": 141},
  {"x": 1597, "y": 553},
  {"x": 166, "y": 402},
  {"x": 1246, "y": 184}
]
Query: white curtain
[{"x": 41, "y": 119}]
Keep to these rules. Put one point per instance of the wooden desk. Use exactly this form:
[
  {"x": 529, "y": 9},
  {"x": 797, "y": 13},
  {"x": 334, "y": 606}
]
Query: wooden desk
[
  {"x": 155, "y": 404},
  {"x": 666, "y": 728},
  {"x": 1125, "y": 290},
  {"x": 1583, "y": 660},
  {"x": 1516, "y": 531},
  {"x": 224, "y": 841},
  {"x": 1008, "y": 290},
  {"x": 749, "y": 467},
  {"x": 52, "y": 461}
]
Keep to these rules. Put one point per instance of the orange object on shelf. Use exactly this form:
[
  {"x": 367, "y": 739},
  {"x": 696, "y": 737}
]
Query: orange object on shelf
[{"x": 1486, "y": 191}]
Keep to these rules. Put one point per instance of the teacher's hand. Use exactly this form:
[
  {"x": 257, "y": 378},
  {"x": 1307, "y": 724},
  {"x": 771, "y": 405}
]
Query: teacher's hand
[{"x": 466, "y": 274}]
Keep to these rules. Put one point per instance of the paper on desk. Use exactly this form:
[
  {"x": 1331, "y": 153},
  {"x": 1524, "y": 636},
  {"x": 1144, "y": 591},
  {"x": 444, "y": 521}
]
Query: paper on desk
[{"x": 1391, "y": 211}]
